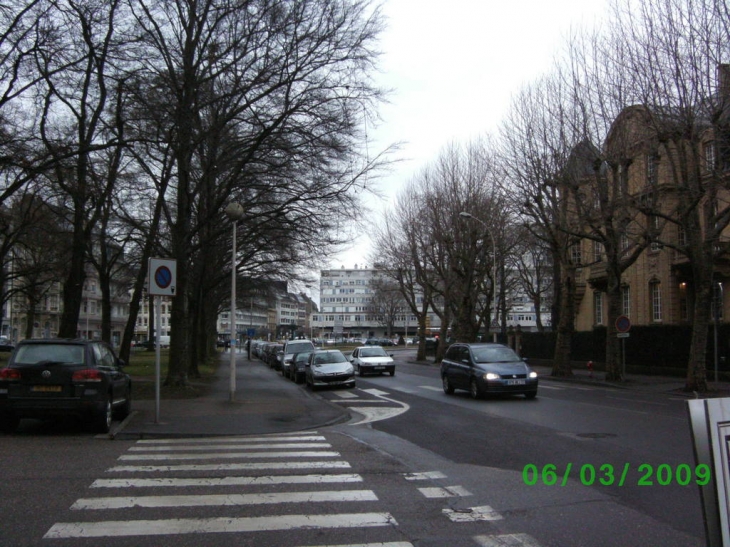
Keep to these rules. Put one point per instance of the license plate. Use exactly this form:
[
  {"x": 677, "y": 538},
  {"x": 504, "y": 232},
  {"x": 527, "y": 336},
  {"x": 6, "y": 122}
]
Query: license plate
[
  {"x": 378, "y": 368},
  {"x": 46, "y": 389},
  {"x": 515, "y": 382}
]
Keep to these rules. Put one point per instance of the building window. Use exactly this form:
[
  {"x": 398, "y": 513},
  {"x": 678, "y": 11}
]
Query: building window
[
  {"x": 655, "y": 292},
  {"x": 626, "y": 301},
  {"x": 655, "y": 230},
  {"x": 598, "y": 308},
  {"x": 681, "y": 236},
  {"x": 710, "y": 160},
  {"x": 597, "y": 251},
  {"x": 652, "y": 169},
  {"x": 575, "y": 254}
]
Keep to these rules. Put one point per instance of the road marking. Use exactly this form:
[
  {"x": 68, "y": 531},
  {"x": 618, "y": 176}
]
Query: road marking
[
  {"x": 426, "y": 475},
  {"x": 432, "y": 388},
  {"x": 507, "y": 540},
  {"x": 376, "y": 414},
  {"x": 347, "y": 395},
  {"x": 389, "y": 544},
  {"x": 218, "y": 500},
  {"x": 168, "y": 448},
  {"x": 216, "y": 525},
  {"x": 229, "y": 467},
  {"x": 376, "y": 392},
  {"x": 230, "y": 455},
  {"x": 472, "y": 514},
  {"x": 208, "y": 440},
  {"x": 226, "y": 481},
  {"x": 363, "y": 401},
  {"x": 543, "y": 386},
  {"x": 446, "y": 492}
]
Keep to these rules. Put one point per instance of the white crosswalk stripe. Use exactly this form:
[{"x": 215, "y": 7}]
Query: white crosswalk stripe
[
  {"x": 311, "y": 492},
  {"x": 283, "y": 452}
]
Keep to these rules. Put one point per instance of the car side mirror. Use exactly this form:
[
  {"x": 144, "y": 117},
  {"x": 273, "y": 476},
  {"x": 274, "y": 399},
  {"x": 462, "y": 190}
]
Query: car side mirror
[
  {"x": 121, "y": 363},
  {"x": 391, "y": 354}
]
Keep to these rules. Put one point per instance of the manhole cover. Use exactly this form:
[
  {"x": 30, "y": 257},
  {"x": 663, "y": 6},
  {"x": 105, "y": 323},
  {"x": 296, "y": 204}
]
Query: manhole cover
[{"x": 595, "y": 435}]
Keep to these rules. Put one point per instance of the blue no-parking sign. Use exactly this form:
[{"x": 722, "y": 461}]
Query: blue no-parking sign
[{"x": 162, "y": 276}]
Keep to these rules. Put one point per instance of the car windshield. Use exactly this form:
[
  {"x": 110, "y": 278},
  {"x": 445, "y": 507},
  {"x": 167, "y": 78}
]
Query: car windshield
[
  {"x": 373, "y": 352},
  {"x": 304, "y": 356},
  {"x": 296, "y": 347},
  {"x": 329, "y": 357},
  {"x": 58, "y": 353},
  {"x": 494, "y": 355}
]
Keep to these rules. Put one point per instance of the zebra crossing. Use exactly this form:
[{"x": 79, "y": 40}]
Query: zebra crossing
[{"x": 299, "y": 482}]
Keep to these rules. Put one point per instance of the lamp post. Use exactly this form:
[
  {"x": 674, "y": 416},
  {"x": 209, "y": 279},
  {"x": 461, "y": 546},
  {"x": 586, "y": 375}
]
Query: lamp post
[
  {"x": 464, "y": 214},
  {"x": 234, "y": 211}
]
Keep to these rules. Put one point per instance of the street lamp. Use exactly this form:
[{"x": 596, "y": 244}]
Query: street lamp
[
  {"x": 235, "y": 212},
  {"x": 464, "y": 214}
]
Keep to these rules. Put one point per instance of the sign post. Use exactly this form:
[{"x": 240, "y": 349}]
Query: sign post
[{"x": 161, "y": 282}]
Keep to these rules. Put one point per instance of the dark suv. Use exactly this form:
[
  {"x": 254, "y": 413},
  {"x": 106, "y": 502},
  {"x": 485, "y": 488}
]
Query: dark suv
[{"x": 58, "y": 377}]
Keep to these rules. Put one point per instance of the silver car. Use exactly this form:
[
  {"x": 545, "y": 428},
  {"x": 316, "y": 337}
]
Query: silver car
[
  {"x": 329, "y": 367},
  {"x": 372, "y": 359}
]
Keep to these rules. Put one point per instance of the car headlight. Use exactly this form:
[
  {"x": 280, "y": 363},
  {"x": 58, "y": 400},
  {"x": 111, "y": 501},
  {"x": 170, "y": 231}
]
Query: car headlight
[
  {"x": 350, "y": 370},
  {"x": 491, "y": 376},
  {"x": 533, "y": 374}
]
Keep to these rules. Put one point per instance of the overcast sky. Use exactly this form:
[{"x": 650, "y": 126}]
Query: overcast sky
[{"x": 453, "y": 66}]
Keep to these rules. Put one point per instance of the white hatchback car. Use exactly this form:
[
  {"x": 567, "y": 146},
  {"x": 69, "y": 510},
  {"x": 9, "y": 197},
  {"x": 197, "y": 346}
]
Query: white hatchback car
[{"x": 372, "y": 359}]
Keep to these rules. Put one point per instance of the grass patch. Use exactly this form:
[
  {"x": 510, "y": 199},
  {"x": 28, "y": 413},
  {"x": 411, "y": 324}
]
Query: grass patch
[{"x": 141, "y": 368}]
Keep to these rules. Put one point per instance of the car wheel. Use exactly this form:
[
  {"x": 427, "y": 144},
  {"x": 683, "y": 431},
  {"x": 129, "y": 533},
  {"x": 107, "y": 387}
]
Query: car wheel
[
  {"x": 299, "y": 379},
  {"x": 102, "y": 422},
  {"x": 530, "y": 394},
  {"x": 359, "y": 371},
  {"x": 448, "y": 388},
  {"x": 474, "y": 390},
  {"x": 9, "y": 423}
]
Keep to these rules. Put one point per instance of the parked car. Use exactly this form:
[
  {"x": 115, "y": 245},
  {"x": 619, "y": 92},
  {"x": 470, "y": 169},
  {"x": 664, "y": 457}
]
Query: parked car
[
  {"x": 290, "y": 348},
  {"x": 329, "y": 367},
  {"x": 298, "y": 365},
  {"x": 56, "y": 377},
  {"x": 372, "y": 359},
  {"x": 485, "y": 369},
  {"x": 6, "y": 345}
]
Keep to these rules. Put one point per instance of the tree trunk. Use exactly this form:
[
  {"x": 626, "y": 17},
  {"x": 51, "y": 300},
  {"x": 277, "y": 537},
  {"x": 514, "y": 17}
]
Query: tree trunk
[{"x": 566, "y": 326}]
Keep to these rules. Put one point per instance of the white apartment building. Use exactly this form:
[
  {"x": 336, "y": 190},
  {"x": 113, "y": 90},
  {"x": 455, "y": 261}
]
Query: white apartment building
[{"x": 345, "y": 304}]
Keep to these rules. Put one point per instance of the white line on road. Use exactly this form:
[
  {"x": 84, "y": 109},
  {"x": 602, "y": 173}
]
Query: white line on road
[
  {"x": 347, "y": 395},
  {"x": 431, "y": 388},
  {"x": 228, "y": 467},
  {"x": 126, "y": 502},
  {"x": 227, "y": 447},
  {"x": 230, "y": 455},
  {"x": 389, "y": 544},
  {"x": 216, "y": 525},
  {"x": 507, "y": 540},
  {"x": 446, "y": 492},
  {"x": 207, "y": 440},
  {"x": 376, "y": 414},
  {"x": 376, "y": 392},
  {"x": 472, "y": 514},
  {"x": 226, "y": 481},
  {"x": 426, "y": 475}
]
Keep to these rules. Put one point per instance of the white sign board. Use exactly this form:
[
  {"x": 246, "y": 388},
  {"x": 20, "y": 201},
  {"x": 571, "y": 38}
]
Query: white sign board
[
  {"x": 162, "y": 276},
  {"x": 710, "y": 421}
]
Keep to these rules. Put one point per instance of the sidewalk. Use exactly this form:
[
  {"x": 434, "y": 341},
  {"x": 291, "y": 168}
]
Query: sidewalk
[{"x": 264, "y": 403}]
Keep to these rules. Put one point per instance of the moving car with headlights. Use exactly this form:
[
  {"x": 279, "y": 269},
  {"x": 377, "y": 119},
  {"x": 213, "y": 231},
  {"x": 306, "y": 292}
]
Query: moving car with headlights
[
  {"x": 329, "y": 367},
  {"x": 485, "y": 369},
  {"x": 55, "y": 378},
  {"x": 290, "y": 348},
  {"x": 372, "y": 359}
]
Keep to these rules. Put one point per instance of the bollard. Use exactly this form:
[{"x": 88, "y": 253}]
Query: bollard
[{"x": 590, "y": 369}]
